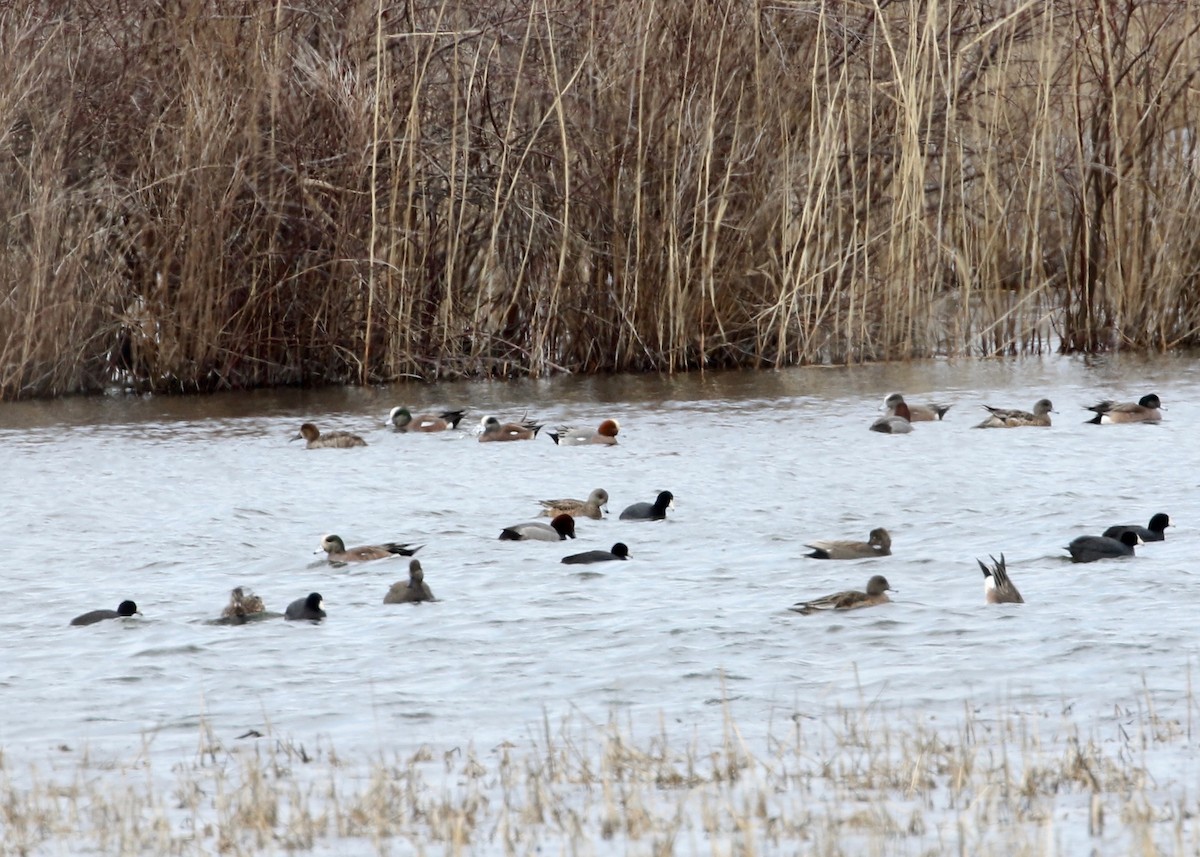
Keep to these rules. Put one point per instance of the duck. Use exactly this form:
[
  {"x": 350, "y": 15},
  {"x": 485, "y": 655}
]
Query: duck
[
  {"x": 1146, "y": 410},
  {"x": 1155, "y": 532},
  {"x": 879, "y": 543},
  {"x": 592, "y": 507},
  {"x": 560, "y": 528},
  {"x": 411, "y": 591},
  {"x": 311, "y": 607},
  {"x": 403, "y": 421},
  {"x": 338, "y": 552},
  {"x": 997, "y": 588},
  {"x": 242, "y": 605},
  {"x": 897, "y": 420},
  {"x": 656, "y": 511},
  {"x": 124, "y": 610},
  {"x": 916, "y": 413},
  {"x": 1005, "y": 418},
  {"x": 605, "y": 434},
  {"x": 619, "y": 551},
  {"x": 877, "y": 589},
  {"x": 1092, "y": 548},
  {"x": 331, "y": 440},
  {"x": 494, "y": 430}
]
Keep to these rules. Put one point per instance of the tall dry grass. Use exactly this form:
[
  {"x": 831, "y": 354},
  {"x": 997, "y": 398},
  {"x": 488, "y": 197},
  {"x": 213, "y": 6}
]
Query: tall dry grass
[{"x": 211, "y": 194}]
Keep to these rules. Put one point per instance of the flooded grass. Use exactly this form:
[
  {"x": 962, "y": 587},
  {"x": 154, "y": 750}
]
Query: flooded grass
[
  {"x": 221, "y": 195},
  {"x": 852, "y": 782}
]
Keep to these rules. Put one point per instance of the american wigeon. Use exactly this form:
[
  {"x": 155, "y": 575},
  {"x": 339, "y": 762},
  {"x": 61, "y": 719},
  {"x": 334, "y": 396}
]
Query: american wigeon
[
  {"x": 997, "y": 588},
  {"x": 311, "y": 607},
  {"x": 1008, "y": 418},
  {"x": 605, "y": 434},
  {"x": 242, "y": 605},
  {"x": 411, "y": 591},
  {"x": 916, "y": 413},
  {"x": 1156, "y": 532},
  {"x": 403, "y": 421},
  {"x": 655, "y": 511},
  {"x": 879, "y": 543},
  {"x": 877, "y": 589},
  {"x": 124, "y": 610},
  {"x": 1146, "y": 410},
  {"x": 494, "y": 430},
  {"x": 592, "y": 507},
  {"x": 897, "y": 420},
  {"x": 330, "y": 440},
  {"x": 1092, "y": 548},
  {"x": 338, "y": 552},
  {"x": 561, "y": 528},
  {"x": 619, "y": 551}
]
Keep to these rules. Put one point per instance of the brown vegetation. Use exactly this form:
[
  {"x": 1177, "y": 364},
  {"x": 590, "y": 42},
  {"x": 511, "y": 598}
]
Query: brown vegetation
[{"x": 212, "y": 194}]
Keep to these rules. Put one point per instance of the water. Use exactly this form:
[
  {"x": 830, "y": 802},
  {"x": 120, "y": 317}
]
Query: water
[{"x": 172, "y": 502}]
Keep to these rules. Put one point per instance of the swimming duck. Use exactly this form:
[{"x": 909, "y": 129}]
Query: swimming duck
[
  {"x": 619, "y": 551},
  {"x": 331, "y": 440},
  {"x": 242, "y": 604},
  {"x": 897, "y": 420},
  {"x": 561, "y": 528},
  {"x": 402, "y": 420},
  {"x": 311, "y": 607},
  {"x": 1005, "y": 418},
  {"x": 655, "y": 511},
  {"x": 494, "y": 430},
  {"x": 997, "y": 588},
  {"x": 879, "y": 543},
  {"x": 1092, "y": 548},
  {"x": 1146, "y": 410},
  {"x": 592, "y": 507},
  {"x": 338, "y": 552},
  {"x": 1155, "y": 532},
  {"x": 124, "y": 610},
  {"x": 411, "y": 591},
  {"x": 877, "y": 589},
  {"x": 606, "y": 434},
  {"x": 916, "y": 413}
]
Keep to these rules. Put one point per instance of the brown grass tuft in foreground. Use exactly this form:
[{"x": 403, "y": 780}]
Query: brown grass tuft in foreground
[{"x": 212, "y": 194}]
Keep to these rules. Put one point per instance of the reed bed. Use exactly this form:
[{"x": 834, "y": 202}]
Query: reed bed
[
  {"x": 851, "y": 782},
  {"x": 212, "y": 194}
]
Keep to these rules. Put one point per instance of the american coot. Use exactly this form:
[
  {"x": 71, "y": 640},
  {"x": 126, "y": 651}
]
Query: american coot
[
  {"x": 879, "y": 544},
  {"x": 997, "y": 588},
  {"x": 916, "y": 413},
  {"x": 619, "y": 551},
  {"x": 592, "y": 507},
  {"x": 313, "y": 438},
  {"x": 338, "y": 552},
  {"x": 1005, "y": 418},
  {"x": 655, "y": 511},
  {"x": 1156, "y": 532},
  {"x": 402, "y": 420},
  {"x": 411, "y": 591},
  {"x": 605, "y": 434},
  {"x": 897, "y": 421},
  {"x": 562, "y": 527},
  {"x": 311, "y": 608},
  {"x": 494, "y": 430},
  {"x": 1092, "y": 548},
  {"x": 124, "y": 610},
  {"x": 877, "y": 589},
  {"x": 1145, "y": 411}
]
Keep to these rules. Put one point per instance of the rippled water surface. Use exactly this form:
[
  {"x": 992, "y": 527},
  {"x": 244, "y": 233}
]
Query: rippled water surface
[{"x": 172, "y": 502}]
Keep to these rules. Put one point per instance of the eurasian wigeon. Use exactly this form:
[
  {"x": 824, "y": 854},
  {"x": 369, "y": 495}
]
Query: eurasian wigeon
[
  {"x": 592, "y": 507},
  {"x": 655, "y": 511},
  {"x": 494, "y": 430},
  {"x": 311, "y": 607},
  {"x": 1007, "y": 418},
  {"x": 619, "y": 551},
  {"x": 1145, "y": 410},
  {"x": 605, "y": 434},
  {"x": 916, "y": 413},
  {"x": 403, "y": 421},
  {"x": 561, "y": 528},
  {"x": 1156, "y": 532},
  {"x": 1092, "y": 548},
  {"x": 124, "y": 610},
  {"x": 852, "y": 599},
  {"x": 897, "y": 420},
  {"x": 997, "y": 588},
  {"x": 879, "y": 543},
  {"x": 411, "y": 591},
  {"x": 330, "y": 440},
  {"x": 338, "y": 552}
]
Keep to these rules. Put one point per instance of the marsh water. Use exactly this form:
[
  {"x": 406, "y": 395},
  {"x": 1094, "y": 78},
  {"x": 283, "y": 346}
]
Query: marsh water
[{"x": 171, "y": 502}]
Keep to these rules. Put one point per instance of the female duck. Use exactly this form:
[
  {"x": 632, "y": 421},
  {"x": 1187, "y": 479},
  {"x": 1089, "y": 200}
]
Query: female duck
[
  {"x": 877, "y": 589},
  {"x": 879, "y": 543},
  {"x": 313, "y": 438}
]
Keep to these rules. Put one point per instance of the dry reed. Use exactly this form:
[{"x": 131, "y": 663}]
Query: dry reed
[{"x": 212, "y": 194}]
